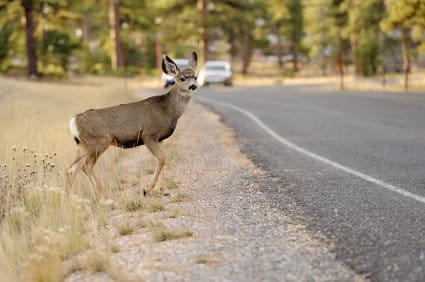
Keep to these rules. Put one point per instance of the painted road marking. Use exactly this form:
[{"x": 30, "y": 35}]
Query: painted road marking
[{"x": 313, "y": 155}]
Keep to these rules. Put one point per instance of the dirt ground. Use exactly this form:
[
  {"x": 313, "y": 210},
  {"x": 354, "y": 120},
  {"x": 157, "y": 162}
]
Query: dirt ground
[{"x": 231, "y": 231}]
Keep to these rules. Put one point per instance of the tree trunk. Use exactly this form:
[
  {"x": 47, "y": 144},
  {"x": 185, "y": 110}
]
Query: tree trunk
[
  {"x": 323, "y": 67},
  {"x": 117, "y": 58},
  {"x": 246, "y": 53},
  {"x": 158, "y": 56},
  {"x": 203, "y": 42},
  {"x": 406, "y": 57},
  {"x": 233, "y": 49},
  {"x": 358, "y": 69},
  {"x": 85, "y": 28},
  {"x": 295, "y": 59},
  {"x": 279, "y": 51},
  {"x": 340, "y": 64},
  {"x": 27, "y": 5}
]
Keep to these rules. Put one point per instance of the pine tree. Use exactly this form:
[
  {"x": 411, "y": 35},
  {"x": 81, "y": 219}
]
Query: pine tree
[
  {"x": 28, "y": 8},
  {"x": 407, "y": 16},
  {"x": 364, "y": 34}
]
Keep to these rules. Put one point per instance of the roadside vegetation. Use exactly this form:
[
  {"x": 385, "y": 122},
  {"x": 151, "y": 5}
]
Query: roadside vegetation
[
  {"x": 366, "y": 38},
  {"x": 43, "y": 235}
]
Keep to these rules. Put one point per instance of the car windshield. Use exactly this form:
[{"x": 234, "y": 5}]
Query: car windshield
[
  {"x": 182, "y": 63},
  {"x": 215, "y": 68}
]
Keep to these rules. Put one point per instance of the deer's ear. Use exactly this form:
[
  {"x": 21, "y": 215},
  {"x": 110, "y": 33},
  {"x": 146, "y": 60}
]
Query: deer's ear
[
  {"x": 193, "y": 60},
  {"x": 169, "y": 66}
]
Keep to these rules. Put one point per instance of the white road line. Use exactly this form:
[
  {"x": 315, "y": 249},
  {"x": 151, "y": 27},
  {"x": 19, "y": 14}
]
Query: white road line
[{"x": 313, "y": 155}]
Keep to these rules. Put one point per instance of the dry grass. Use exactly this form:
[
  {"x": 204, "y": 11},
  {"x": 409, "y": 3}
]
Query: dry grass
[
  {"x": 144, "y": 205},
  {"x": 43, "y": 236},
  {"x": 173, "y": 155},
  {"x": 39, "y": 229},
  {"x": 143, "y": 224},
  {"x": 97, "y": 261},
  {"x": 125, "y": 229},
  {"x": 171, "y": 183},
  {"x": 205, "y": 259},
  {"x": 149, "y": 170},
  {"x": 181, "y": 198},
  {"x": 174, "y": 213},
  {"x": 133, "y": 204},
  {"x": 115, "y": 249},
  {"x": 154, "y": 206},
  {"x": 162, "y": 233},
  {"x": 149, "y": 166}
]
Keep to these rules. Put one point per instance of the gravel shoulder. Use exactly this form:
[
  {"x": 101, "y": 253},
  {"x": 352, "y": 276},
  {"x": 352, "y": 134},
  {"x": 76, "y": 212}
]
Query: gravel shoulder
[{"x": 237, "y": 234}]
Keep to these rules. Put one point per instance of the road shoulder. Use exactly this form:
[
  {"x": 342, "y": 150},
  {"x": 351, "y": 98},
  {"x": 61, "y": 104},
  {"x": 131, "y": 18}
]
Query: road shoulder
[{"x": 236, "y": 234}]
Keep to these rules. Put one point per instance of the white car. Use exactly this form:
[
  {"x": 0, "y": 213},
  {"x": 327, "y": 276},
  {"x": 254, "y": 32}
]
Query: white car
[
  {"x": 168, "y": 79},
  {"x": 216, "y": 72}
]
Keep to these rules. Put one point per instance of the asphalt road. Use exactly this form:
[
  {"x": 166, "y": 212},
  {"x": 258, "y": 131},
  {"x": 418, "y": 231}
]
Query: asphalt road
[{"x": 374, "y": 229}]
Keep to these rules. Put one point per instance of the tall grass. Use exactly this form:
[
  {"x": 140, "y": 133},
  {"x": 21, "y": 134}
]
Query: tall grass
[{"x": 39, "y": 229}]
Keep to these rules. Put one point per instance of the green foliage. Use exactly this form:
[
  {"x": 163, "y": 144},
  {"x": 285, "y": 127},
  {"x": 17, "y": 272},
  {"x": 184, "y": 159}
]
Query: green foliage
[
  {"x": 5, "y": 34},
  {"x": 94, "y": 62},
  {"x": 58, "y": 47},
  {"x": 318, "y": 28},
  {"x": 287, "y": 18},
  {"x": 367, "y": 53},
  {"x": 406, "y": 14},
  {"x": 364, "y": 33},
  {"x": 75, "y": 35}
]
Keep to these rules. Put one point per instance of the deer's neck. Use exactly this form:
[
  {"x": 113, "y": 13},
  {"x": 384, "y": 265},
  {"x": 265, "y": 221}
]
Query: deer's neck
[{"x": 176, "y": 102}]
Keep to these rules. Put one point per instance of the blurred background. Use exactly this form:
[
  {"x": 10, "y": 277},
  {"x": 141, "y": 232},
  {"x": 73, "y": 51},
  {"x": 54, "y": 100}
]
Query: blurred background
[{"x": 279, "y": 38}]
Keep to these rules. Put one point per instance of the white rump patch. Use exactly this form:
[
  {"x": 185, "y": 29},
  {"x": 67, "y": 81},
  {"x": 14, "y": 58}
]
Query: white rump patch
[{"x": 73, "y": 128}]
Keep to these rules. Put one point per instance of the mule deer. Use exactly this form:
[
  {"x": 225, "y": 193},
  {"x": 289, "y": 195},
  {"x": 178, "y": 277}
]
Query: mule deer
[{"x": 145, "y": 122}]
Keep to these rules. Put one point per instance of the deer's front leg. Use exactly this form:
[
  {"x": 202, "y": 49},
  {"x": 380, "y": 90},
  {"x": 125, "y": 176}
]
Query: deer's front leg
[{"x": 154, "y": 147}]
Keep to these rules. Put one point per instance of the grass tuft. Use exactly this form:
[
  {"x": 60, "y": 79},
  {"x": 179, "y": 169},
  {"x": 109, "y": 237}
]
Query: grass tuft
[
  {"x": 205, "y": 259},
  {"x": 133, "y": 205},
  {"x": 149, "y": 170},
  {"x": 150, "y": 167},
  {"x": 181, "y": 198},
  {"x": 146, "y": 205},
  {"x": 155, "y": 206},
  {"x": 143, "y": 224},
  {"x": 170, "y": 183},
  {"x": 174, "y": 213},
  {"x": 125, "y": 229},
  {"x": 115, "y": 249},
  {"x": 98, "y": 261},
  {"x": 163, "y": 233}
]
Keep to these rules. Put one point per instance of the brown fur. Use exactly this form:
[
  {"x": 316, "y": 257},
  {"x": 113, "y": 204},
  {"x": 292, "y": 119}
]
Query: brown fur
[{"x": 145, "y": 122}]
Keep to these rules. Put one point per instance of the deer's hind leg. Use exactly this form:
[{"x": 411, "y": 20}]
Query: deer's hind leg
[
  {"x": 72, "y": 170},
  {"x": 88, "y": 167},
  {"x": 155, "y": 148}
]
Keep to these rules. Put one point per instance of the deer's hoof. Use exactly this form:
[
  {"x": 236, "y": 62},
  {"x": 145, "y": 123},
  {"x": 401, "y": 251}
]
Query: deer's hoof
[
  {"x": 145, "y": 193},
  {"x": 167, "y": 194}
]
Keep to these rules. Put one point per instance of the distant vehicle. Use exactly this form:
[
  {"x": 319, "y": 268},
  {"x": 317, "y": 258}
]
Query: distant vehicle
[
  {"x": 216, "y": 72},
  {"x": 168, "y": 79}
]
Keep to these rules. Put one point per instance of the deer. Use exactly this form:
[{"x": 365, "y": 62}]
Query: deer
[{"x": 147, "y": 122}]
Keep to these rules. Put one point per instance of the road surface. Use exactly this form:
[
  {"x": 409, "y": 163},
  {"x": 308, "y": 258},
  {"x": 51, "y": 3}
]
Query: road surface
[{"x": 350, "y": 165}]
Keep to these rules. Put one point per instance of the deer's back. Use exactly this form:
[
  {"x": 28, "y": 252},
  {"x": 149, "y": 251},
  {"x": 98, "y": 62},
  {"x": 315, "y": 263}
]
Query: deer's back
[{"x": 126, "y": 125}]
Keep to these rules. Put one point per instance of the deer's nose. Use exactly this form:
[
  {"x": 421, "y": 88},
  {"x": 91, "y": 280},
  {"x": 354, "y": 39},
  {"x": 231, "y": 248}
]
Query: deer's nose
[{"x": 192, "y": 87}]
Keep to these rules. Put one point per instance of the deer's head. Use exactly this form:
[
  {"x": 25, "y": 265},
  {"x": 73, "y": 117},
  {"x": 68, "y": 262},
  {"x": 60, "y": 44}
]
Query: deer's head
[{"x": 185, "y": 79}]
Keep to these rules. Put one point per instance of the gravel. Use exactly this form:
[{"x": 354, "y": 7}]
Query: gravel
[{"x": 237, "y": 234}]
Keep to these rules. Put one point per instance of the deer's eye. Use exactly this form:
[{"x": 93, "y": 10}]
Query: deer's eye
[{"x": 182, "y": 79}]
